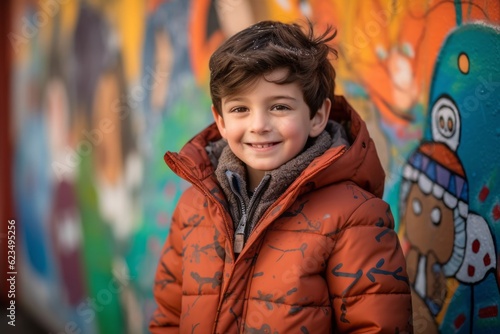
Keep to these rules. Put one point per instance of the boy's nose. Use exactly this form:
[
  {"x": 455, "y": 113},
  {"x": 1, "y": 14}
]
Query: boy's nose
[{"x": 259, "y": 122}]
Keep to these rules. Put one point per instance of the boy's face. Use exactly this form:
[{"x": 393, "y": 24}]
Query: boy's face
[{"x": 268, "y": 124}]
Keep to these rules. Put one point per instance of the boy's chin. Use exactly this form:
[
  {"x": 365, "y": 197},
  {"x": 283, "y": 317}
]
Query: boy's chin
[{"x": 264, "y": 167}]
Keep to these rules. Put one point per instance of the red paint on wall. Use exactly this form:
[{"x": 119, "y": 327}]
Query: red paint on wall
[
  {"x": 459, "y": 321},
  {"x": 496, "y": 212},
  {"x": 484, "y": 193},
  {"x": 488, "y": 312}
]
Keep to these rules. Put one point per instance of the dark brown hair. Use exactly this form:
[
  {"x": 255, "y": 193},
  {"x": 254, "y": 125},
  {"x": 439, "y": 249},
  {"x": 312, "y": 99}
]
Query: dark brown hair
[{"x": 270, "y": 45}]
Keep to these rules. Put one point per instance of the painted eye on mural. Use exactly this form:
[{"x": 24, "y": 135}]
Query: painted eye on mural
[
  {"x": 417, "y": 206},
  {"x": 463, "y": 63},
  {"x": 441, "y": 122},
  {"x": 450, "y": 124},
  {"x": 436, "y": 216},
  {"x": 446, "y": 122}
]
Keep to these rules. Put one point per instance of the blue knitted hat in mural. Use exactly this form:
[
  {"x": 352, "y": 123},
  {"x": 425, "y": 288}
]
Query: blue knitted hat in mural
[{"x": 438, "y": 170}]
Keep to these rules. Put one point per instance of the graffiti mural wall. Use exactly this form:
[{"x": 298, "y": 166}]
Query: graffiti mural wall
[
  {"x": 449, "y": 200},
  {"x": 102, "y": 89}
]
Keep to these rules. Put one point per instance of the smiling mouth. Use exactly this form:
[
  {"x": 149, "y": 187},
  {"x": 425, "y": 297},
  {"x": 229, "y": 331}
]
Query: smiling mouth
[{"x": 266, "y": 145}]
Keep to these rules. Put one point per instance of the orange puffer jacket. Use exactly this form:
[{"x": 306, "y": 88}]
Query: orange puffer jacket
[{"x": 323, "y": 258}]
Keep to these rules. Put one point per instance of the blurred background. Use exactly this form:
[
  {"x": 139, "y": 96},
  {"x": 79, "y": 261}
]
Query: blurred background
[{"x": 94, "y": 92}]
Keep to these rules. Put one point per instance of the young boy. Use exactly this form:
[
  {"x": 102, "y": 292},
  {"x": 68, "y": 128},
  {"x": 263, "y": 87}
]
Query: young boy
[{"x": 283, "y": 229}]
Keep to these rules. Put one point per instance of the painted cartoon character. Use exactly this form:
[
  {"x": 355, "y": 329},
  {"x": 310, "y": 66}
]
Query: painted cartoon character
[
  {"x": 450, "y": 246},
  {"x": 445, "y": 239}
]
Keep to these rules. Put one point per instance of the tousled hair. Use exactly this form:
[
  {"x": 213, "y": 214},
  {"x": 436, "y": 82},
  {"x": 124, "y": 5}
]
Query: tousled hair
[{"x": 269, "y": 45}]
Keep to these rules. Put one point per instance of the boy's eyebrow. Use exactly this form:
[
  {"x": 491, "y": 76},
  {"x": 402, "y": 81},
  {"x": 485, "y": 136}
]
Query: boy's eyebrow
[
  {"x": 270, "y": 98},
  {"x": 279, "y": 97}
]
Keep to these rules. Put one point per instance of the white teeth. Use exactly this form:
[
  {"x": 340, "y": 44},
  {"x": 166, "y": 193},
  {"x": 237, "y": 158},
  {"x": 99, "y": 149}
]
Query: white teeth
[{"x": 262, "y": 146}]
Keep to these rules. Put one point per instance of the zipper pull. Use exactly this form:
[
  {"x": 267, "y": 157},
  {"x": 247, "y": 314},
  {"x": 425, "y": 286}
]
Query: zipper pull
[
  {"x": 239, "y": 242},
  {"x": 239, "y": 234}
]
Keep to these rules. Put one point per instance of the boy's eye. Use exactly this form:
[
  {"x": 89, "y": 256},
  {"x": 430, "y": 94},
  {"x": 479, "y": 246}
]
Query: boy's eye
[
  {"x": 238, "y": 109},
  {"x": 280, "y": 107}
]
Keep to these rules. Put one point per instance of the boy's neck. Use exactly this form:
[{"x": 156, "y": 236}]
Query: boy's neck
[{"x": 254, "y": 177}]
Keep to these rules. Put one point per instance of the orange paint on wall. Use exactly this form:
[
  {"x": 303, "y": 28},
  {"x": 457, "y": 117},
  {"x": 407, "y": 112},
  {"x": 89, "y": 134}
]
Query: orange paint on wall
[
  {"x": 130, "y": 25},
  {"x": 201, "y": 46}
]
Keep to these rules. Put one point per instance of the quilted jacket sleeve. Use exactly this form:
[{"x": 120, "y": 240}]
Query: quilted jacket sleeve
[
  {"x": 367, "y": 275},
  {"x": 168, "y": 281}
]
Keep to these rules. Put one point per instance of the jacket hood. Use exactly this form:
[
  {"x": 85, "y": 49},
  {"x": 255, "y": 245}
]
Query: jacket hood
[{"x": 358, "y": 163}]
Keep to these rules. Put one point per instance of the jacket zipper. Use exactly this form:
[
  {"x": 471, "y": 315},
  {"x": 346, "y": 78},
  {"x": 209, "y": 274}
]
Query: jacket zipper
[{"x": 241, "y": 231}]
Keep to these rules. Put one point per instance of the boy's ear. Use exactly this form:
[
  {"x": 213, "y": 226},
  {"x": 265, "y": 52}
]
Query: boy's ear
[
  {"x": 318, "y": 122},
  {"x": 219, "y": 120}
]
